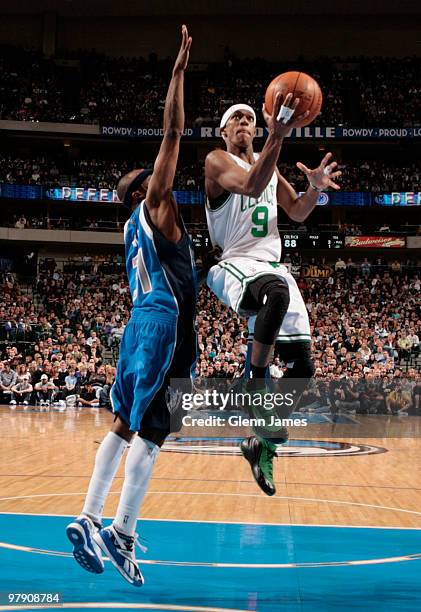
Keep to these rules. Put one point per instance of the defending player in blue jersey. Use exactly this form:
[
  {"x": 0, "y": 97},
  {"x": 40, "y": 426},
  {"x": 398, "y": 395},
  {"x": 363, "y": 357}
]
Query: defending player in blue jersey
[{"x": 159, "y": 343}]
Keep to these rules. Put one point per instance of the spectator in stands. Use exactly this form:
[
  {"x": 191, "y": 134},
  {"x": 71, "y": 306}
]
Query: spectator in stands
[
  {"x": 404, "y": 343},
  {"x": 44, "y": 391},
  {"x": 276, "y": 370},
  {"x": 398, "y": 401},
  {"x": 347, "y": 396},
  {"x": 8, "y": 379},
  {"x": 396, "y": 267},
  {"x": 365, "y": 267},
  {"x": 21, "y": 222},
  {"x": 88, "y": 396},
  {"x": 21, "y": 391},
  {"x": 415, "y": 341},
  {"x": 71, "y": 383},
  {"x": 117, "y": 331},
  {"x": 372, "y": 397},
  {"x": 340, "y": 265}
]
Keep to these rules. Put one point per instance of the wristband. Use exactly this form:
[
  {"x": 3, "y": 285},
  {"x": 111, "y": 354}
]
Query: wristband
[
  {"x": 285, "y": 114},
  {"x": 315, "y": 188}
]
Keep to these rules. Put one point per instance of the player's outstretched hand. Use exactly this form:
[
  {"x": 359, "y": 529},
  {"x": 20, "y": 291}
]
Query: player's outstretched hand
[
  {"x": 322, "y": 176},
  {"x": 283, "y": 117},
  {"x": 183, "y": 55}
]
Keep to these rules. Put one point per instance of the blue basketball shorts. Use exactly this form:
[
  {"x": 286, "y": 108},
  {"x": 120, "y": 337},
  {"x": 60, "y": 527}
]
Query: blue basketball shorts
[{"x": 154, "y": 348}]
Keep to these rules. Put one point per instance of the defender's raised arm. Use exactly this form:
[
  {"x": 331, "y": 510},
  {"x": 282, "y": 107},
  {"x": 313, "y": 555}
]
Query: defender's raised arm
[{"x": 161, "y": 181}]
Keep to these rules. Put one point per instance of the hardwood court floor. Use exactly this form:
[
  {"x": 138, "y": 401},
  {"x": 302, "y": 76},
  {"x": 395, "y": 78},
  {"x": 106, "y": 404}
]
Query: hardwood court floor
[{"x": 46, "y": 460}]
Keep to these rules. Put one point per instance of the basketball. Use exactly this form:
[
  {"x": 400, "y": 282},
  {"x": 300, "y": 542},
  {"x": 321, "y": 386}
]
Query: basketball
[{"x": 302, "y": 86}]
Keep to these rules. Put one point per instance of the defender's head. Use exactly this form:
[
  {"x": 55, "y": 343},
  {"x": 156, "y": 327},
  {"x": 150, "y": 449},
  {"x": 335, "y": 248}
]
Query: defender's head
[
  {"x": 238, "y": 125},
  {"x": 133, "y": 186}
]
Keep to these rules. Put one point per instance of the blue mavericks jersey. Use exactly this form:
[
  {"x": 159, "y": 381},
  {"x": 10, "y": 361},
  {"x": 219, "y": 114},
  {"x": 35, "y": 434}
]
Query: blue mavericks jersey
[{"x": 162, "y": 275}]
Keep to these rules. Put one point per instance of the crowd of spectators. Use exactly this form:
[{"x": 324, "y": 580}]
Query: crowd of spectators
[
  {"x": 55, "y": 335},
  {"x": 390, "y": 90},
  {"x": 199, "y": 231},
  {"x": 103, "y": 173},
  {"x": 373, "y": 325},
  {"x": 30, "y": 89},
  {"x": 92, "y": 88},
  {"x": 364, "y": 175},
  {"x": 22, "y": 221},
  {"x": 366, "y": 321},
  {"x": 359, "y": 344},
  {"x": 394, "y": 393}
]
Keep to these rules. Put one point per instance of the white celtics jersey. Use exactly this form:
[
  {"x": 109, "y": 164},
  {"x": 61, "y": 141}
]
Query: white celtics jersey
[{"x": 247, "y": 227}]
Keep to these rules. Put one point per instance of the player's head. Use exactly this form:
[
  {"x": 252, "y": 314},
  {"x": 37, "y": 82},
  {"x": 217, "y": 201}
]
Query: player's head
[
  {"x": 238, "y": 125},
  {"x": 132, "y": 187}
]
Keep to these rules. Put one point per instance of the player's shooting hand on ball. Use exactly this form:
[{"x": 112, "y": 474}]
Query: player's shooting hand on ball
[
  {"x": 321, "y": 177},
  {"x": 183, "y": 55},
  {"x": 283, "y": 118}
]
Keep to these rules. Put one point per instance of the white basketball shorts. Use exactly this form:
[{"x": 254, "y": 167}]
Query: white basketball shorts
[{"x": 229, "y": 281}]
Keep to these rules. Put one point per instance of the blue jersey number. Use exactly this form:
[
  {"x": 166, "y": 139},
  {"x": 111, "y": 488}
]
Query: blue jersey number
[{"x": 142, "y": 275}]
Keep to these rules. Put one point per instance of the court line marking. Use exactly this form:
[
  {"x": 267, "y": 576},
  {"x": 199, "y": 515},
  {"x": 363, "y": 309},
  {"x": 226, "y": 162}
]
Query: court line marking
[
  {"x": 237, "y": 480},
  {"x": 222, "y": 565},
  {"x": 208, "y": 493},
  {"x": 168, "y": 520},
  {"x": 118, "y": 605}
]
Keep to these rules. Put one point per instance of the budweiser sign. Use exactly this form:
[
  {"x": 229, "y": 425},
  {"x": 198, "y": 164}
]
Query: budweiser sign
[{"x": 375, "y": 242}]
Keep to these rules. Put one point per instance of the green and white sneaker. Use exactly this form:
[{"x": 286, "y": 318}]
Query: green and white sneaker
[{"x": 260, "y": 452}]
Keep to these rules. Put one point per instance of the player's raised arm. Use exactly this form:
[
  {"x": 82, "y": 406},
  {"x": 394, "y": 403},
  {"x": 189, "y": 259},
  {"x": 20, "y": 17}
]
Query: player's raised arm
[
  {"x": 223, "y": 173},
  {"x": 297, "y": 207},
  {"x": 161, "y": 181}
]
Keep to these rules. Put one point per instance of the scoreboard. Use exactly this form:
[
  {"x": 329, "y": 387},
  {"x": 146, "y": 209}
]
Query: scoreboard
[
  {"x": 290, "y": 241},
  {"x": 312, "y": 240},
  {"x": 201, "y": 240}
]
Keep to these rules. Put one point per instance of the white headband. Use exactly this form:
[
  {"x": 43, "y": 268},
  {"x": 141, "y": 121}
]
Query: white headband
[{"x": 234, "y": 108}]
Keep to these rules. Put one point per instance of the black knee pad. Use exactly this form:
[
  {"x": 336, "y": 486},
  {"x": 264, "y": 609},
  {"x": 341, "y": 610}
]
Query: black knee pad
[
  {"x": 274, "y": 297},
  {"x": 157, "y": 436}
]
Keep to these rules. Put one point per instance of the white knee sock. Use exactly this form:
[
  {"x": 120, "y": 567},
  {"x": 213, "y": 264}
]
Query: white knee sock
[
  {"x": 107, "y": 461},
  {"x": 139, "y": 465}
]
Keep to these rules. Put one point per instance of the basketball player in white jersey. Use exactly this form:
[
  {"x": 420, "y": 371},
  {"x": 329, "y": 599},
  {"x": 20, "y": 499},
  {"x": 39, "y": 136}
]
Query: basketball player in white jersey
[{"x": 244, "y": 190}]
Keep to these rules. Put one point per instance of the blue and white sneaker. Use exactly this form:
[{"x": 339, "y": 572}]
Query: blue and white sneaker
[
  {"x": 120, "y": 550},
  {"x": 85, "y": 550}
]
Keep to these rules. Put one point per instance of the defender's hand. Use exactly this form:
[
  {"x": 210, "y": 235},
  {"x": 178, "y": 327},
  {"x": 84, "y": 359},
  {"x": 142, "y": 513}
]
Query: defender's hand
[
  {"x": 322, "y": 176},
  {"x": 183, "y": 55}
]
